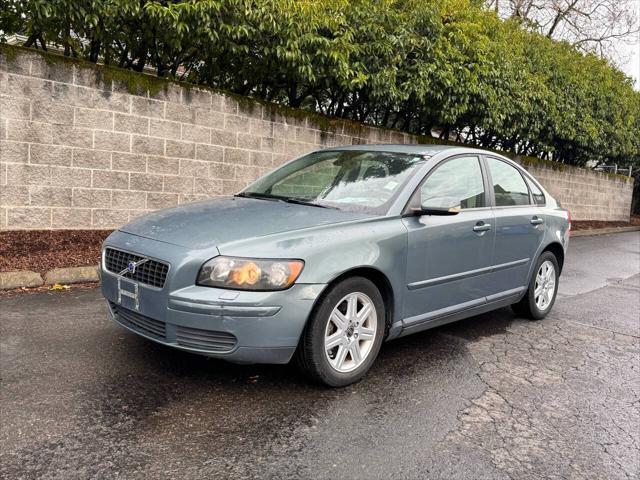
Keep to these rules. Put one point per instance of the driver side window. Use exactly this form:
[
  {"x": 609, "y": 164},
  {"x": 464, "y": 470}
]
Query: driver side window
[{"x": 456, "y": 183}]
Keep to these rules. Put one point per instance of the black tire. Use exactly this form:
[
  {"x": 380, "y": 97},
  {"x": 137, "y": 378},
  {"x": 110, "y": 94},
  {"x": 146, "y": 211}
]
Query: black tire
[
  {"x": 311, "y": 357},
  {"x": 527, "y": 306}
]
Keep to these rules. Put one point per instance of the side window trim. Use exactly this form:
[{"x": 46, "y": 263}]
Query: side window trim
[
  {"x": 490, "y": 180},
  {"x": 416, "y": 199},
  {"x": 531, "y": 181}
]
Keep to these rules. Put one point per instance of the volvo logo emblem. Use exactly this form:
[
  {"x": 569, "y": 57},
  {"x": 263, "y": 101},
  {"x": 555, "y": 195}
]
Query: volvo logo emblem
[{"x": 131, "y": 266}]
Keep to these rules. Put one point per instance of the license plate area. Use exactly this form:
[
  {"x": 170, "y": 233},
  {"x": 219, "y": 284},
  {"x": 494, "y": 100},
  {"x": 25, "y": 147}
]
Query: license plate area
[{"x": 128, "y": 294}]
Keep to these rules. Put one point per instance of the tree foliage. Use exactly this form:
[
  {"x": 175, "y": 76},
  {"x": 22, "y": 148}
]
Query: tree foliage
[{"x": 450, "y": 67}]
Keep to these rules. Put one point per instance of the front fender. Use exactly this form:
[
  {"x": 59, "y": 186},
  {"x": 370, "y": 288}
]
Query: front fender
[{"x": 330, "y": 251}]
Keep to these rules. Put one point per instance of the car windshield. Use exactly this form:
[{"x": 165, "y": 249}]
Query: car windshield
[{"x": 351, "y": 180}]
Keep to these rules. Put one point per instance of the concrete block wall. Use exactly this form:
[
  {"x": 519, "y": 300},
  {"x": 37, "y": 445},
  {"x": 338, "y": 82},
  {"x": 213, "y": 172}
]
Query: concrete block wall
[
  {"x": 586, "y": 194},
  {"x": 80, "y": 151}
]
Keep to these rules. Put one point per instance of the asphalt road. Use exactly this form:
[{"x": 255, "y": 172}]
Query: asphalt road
[{"x": 489, "y": 397}]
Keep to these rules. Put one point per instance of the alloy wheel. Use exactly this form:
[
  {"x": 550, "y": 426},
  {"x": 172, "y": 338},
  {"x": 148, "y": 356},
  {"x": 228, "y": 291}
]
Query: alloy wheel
[
  {"x": 350, "y": 332},
  {"x": 545, "y": 286}
]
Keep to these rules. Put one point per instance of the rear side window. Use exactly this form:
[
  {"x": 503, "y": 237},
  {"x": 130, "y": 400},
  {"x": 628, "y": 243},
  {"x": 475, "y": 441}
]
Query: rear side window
[
  {"x": 456, "y": 183},
  {"x": 538, "y": 196},
  {"x": 509, "y": 187}
]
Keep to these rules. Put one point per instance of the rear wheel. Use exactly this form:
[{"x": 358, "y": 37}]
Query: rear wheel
[
  {"x": 344, "y": 334},
  {"x": 542, "y": 291}
]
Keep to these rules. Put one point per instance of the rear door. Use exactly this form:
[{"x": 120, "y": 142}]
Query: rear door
[
  {"x": 519, "y": 224},
  {"x": 449, "y": 257}
]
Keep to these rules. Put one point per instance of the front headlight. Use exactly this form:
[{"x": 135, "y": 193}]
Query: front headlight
[{"x": 249, "y": 273}]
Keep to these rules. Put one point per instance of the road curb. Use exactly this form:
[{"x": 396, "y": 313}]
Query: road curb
[
  {"x": 24, "y": 278},
  {"x": 603, "y": 231},
  {"x": 65, "y": 276},
  {"x": 62, "y": 276}
]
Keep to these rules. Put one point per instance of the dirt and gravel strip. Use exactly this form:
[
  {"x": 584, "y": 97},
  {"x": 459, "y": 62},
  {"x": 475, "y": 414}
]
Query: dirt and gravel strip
[{"x": 42, "y": 250}]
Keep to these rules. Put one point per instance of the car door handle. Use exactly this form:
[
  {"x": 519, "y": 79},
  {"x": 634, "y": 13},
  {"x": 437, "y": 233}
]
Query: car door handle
[
  {"x": 482, "y": 227},
  {"x": 537, "y": 221}
]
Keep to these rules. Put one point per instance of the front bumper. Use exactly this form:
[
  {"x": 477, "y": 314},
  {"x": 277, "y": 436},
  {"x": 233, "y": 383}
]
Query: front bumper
[{"x": 239, "y": 326}]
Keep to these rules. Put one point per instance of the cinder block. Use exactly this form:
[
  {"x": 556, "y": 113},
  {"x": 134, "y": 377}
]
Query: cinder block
[
  {"x": 237, "y": 156},
  {"x": 164, "y": 165},
  {"x": 128, "y": 162},
  {"x": 14, "y": 195},
  {"x": 50, "y": 196},
  {"x": 98, "y": 119},
  {"x": 114, "y": 141},
  {"x": 146, "y": 182},
  {"x": 25, "y": 174},
  {"x": 247, "y": 174},
  {"x": 209, "y": 118},
  {"x": 210, "y": 153},
  {"x": 74, "y": 137},
  {"x": 15, "y": 107},
  {"x": 29, "y": 87},
  {"x": 146, "y": 107},
  {"x": 208, "y": 186},
  {"x": 91, "y": 198},
  {"x": 180, "y": 149},
  {"x": 29, "y": 217},
  {"x": 157, "y": 200},
  {"x": 222, "y": 171},
  {"x": 177, "y": 184},
  {"x": 26, "y": 131},
  {"x": 196, "y": 97},
  {"x": 248, "y": 141},
  {"x": 56, "y": 71},
  {"x": 98, "y": 159},
  {"x": 128, "y": 199},
  {"x": 71, "y": 217},
  {"x": 45, "y": 110},
  {"x": 164, "y": 129},
  {"x": 235, "y": 123},
  {"x": 131, "y": 124},
  {"x": 194, "y": 168},
  {"x": 106, "y": 218},
  {"x": 110, "y": 180},
  {"x": 70, "y": 177},
  {"x": 196, "y": 133},
  {"x": 229, "y": 105},
  {"x": 180, "y": 113},
  {"x": 147, "y": 145},
  {"x": 50, "y": 154},
  {"x": 224, "y": 138},
  {"x": 14, "y": 152}
]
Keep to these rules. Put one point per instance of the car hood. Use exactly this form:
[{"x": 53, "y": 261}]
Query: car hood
[{"x": 212, "y": 223}]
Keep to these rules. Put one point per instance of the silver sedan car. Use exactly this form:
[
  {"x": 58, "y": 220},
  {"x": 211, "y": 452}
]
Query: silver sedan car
[{"x": 335, "y": 252}]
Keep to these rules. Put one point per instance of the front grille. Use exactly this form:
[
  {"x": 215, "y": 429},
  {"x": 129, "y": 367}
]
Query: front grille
[
  {"x": 205, "y": 339},
  {"x": 136, "y": 321},
  {"x": 151, "y": 272}
]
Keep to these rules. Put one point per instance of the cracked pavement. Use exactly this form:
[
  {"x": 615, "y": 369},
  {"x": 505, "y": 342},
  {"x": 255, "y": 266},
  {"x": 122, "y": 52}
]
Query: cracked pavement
[{"x": 490, "y": 397}]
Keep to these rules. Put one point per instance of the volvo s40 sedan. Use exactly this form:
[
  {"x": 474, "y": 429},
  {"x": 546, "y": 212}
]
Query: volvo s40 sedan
[{"x": 335, "y": 252}]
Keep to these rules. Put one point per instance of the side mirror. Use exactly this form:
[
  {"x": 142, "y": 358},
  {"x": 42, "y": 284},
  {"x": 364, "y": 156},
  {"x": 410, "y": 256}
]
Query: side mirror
[{"x": 424, "y": 210}]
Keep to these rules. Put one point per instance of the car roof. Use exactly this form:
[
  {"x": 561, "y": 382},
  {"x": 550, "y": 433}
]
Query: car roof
[{"x": 417, "y": 149}]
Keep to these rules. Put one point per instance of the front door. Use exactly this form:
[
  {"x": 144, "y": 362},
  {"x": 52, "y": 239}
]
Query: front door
[{"x": 449, "y": 256}]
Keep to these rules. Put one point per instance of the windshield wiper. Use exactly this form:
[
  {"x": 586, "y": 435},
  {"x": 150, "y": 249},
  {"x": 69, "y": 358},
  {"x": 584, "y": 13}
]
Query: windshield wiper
[
  {"x": 261, "y": 196},
  {"x": 279, "y": 198},
  {"x": 300, "y": 201}
]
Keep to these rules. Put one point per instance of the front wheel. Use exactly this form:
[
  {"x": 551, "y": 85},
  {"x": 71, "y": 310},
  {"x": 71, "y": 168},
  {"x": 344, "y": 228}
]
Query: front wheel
[
  {"x": 542, "y": 290},
  {"x": 344, "y": 334}
]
